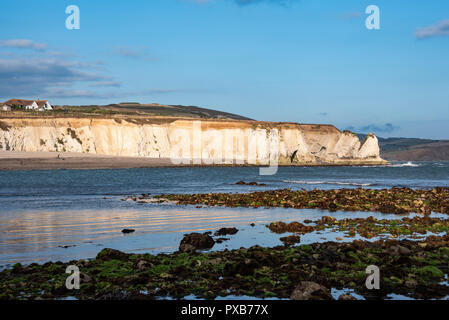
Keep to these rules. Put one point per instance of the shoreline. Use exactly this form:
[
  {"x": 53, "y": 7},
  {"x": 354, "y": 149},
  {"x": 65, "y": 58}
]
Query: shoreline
[
  {"x": 282, "y": 272},
  {"x": 21, "y": 160}
]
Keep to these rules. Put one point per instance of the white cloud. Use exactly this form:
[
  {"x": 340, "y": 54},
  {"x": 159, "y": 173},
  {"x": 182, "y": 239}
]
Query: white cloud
[
  {"x": 23, "y": 44},
  {"x": 439, "y": 29}
]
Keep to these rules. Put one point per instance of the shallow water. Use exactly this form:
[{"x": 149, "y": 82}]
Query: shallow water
[
  {"x": 40, "y": 211},
  {"x": 43, "y": 236}
]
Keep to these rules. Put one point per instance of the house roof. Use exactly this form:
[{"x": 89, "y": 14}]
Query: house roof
[
  {"x": 41, "y": 103},
  {"x": 19, "y": 102}
]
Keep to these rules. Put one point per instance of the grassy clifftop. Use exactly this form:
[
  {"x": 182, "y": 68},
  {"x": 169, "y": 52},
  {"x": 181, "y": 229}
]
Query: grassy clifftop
[{"x": 136, "y": 109}]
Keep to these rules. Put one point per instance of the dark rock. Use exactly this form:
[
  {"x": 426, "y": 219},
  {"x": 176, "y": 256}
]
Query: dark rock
[
  {"x": 346, "y": 297},
  {"x": 128, "y": 230},
  {"x": 387, "y": 208},
  {"x": 185, "y": 247},
  {"x": 111, "y": 254},
  {"x": 241, "y": 182},
  {"x": 244, "y": 268},
  {"x": 411, "y": 283},
  {"x": 278, "y": 227},
  {"x": 220, "y": 240},
  {"x": 256, "y": 184},
  {"x": 85, "y": 278},
  {"x": 290, "y": 240},
  {"x": 66, "y": 246},
  {"x": 225, "y": 231},
  {"x": 399, "y": 251},
  {"x": 197, "y": 241},
  {"x": 307, "y": 290},
  {"x": 142, "y": 265}
]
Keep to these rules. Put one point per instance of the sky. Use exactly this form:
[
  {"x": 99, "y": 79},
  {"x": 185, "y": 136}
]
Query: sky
[{"x": 304, "y": 61}]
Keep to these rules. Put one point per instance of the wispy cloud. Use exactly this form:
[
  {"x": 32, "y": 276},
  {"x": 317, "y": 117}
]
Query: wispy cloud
[
  {"x": 23, "y": 44},
  {"x": 132, "y": 52},
  {"x": 105, "y": 84},
  {"x": 278, "y": 2},
  {"x": 27, "y": 77},
  {"x": 439, "y": 29},
  {"x": 250, "y": 2},
  {"x": 73, "y": 93},
  {"x": 48, "y": 73},
  {"x": 352, "y": 15},
  {"x": 383, "y": 128}
]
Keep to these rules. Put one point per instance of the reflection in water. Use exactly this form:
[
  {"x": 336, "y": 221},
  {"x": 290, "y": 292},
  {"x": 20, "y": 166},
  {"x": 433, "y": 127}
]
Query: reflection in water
[{"x": 41, "y": 236}]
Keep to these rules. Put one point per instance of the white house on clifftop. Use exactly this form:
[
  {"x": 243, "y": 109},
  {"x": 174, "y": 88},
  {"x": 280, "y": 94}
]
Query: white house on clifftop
[{"x": 39, "y": 105}]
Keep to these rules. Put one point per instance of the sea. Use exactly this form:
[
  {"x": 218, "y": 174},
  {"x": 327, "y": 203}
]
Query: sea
[{"x": 62, "y": 215}]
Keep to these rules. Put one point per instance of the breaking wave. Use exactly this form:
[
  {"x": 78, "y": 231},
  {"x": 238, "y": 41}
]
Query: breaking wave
[
  {"x": 407, "y": 164},
  {"x": 343, "y": 183}
]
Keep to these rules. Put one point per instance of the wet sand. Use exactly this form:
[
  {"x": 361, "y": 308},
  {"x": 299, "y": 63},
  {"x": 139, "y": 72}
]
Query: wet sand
[{"x": 17, "y": 160}]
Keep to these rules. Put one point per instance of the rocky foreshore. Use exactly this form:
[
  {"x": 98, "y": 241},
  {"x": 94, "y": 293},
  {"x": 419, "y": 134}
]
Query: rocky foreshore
[
  {"x": 415, "y": 269},
  {"x": 394, "y": 200},
  {"x": 412, "y": 254}
]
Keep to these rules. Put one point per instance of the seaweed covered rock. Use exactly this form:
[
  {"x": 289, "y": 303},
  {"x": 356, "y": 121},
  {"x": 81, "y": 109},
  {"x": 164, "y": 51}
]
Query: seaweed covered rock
[
  {"x": 194, "y": 241},
  {"x": 290, "y": 240},
  {"x": 346, "y": 297},
  {"x": 111, "y": 254},
  {"x": 308, "y": 290},
  {"x": 226, "y": 231}
]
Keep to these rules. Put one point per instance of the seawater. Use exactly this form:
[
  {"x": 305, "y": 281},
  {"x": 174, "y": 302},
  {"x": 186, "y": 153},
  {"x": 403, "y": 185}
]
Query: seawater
[{"x": 73, "y": 214}]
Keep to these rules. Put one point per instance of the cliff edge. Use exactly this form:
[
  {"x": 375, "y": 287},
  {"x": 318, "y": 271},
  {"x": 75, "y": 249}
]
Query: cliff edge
[{"x": 192, "y": 141}]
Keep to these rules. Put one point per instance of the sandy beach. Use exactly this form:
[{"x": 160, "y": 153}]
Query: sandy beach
[{"x": 18, "y": 160}]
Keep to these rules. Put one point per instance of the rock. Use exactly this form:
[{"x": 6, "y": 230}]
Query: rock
[
  {"x": 399, "y": 251},
  {"x": 290, "y": 240},
  {"x": 411, "y": 283},
  {"x": 278, "y": 227},
  {"x": 67, "y": 246},
  {"x": 143, "y": 265},
  {"x": 346, "y": 297},
  {"x": 307, "y": 290},
  {"x": 185, "y": 247},
  {"x": 299, "y": 227},
  {"x": 225, "y": 231},
  {"x": 111, "y": 254},
  {"x": 85, "y": 278},
  {"x": 252, "y": 183},
  {"x": 128, "y": 230},
  {"x": 197, "y": 241},
  {"x": 220, "y": 240},
  {"x": 327, "y": 219},
  {"x": 244, "y": 267},
  {"x": 387, "y": 208}
]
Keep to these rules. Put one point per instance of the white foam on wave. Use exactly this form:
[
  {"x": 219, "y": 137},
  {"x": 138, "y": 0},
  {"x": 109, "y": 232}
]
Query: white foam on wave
[
  {"x": 344, "y": 183},
  {"x": 407, "y": 164}
]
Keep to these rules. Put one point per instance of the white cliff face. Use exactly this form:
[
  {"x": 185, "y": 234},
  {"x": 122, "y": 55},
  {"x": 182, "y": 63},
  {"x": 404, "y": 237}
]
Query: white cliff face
[
  {"x": 189, "y": 141},
  {"x": 369, "y": 148}
]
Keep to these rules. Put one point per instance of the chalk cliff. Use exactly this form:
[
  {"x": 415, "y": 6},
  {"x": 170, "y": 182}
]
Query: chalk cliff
[{"x": 191, "y": 141}]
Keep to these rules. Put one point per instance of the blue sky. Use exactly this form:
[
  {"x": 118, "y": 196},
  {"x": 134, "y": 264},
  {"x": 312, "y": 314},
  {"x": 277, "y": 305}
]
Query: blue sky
[{"x": 304, "y": 61}]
